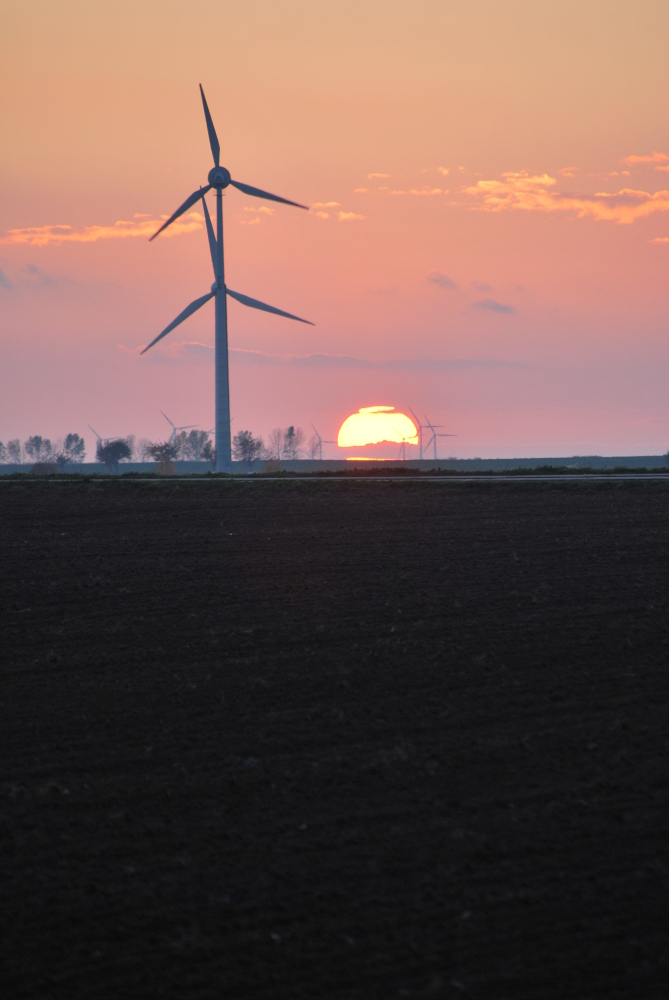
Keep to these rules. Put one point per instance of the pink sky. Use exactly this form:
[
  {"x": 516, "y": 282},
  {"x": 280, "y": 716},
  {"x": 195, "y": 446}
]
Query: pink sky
[{"x": 496, "y": 248}]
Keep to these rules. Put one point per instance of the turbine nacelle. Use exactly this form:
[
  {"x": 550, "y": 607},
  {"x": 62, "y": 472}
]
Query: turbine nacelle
[{"x": 219, "y": 177}]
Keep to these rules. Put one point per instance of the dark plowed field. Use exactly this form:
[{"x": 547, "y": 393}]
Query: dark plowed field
[{"x": 334, "y": 739}]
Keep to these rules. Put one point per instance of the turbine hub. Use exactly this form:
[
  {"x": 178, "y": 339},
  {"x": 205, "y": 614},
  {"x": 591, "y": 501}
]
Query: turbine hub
[{"x": 219, "y": 177}]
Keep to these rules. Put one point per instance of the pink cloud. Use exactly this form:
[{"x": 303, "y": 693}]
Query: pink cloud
[
  {"x": 536, "y": 193},
  {"x": 655, "y": 158},
  {"x": 142, "y": 225}
]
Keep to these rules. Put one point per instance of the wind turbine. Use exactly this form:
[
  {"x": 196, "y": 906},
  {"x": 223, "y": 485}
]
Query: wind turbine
[
  {"x": 101, "y": 440},
  {"x": 433, "y": 439},
  {"x": 321, "y": 442},
  {"x": 175, "y": 429},
  {"x": 219, "y": 178},
  {"x": 421, "y": 428}
]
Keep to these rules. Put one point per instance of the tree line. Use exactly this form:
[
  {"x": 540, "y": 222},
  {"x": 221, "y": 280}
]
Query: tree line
[
  {"x": 287, "y": 445},
  {"x": 193, "y": 446}
]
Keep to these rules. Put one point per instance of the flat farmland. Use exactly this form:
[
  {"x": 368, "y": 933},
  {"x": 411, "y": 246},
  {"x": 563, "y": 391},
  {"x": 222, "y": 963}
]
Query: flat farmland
[{"x": 339, "y": 739}]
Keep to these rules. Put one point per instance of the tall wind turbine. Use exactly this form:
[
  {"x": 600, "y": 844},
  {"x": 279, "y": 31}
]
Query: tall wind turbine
[{"x": 219, "y": 178}]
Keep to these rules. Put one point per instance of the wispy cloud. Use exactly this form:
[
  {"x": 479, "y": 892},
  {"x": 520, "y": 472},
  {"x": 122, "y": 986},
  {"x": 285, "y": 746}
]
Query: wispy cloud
[
  {"x": 194, "y": 352},
  {"x": 443, "y": 170},
  {"x": 5, "y": 282},
  {"x": 654, "y": 158},
  {"x": 660, "y": 239},
  {"x": 524, "y": 192},
  {"x": 141, "y": 225},
  {"x": 442, "y": 281},
  {"x": 482, "y": 286},
  {"x": 371, "y": 177},
  {"x": 491, "y": 305},
  {"x": 349, "y": 217}
]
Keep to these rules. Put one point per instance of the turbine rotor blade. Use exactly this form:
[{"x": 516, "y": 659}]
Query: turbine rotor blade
[
  {"x": 189, "y": 202},
  {"x": 213, "y": 138},
  {"x": 257, "y": 193},
  {"x": 256, "y": 304},
  {"x": 188, "y": 311},
  {"x": 213, "y": 246},
  {"x": 165, "y": 415}
]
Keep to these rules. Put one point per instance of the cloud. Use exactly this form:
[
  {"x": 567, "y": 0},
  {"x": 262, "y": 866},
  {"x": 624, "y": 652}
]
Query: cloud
[
  {"x": 666, "y": 169},
  {"x": 323, "y": 205},
  {"x": 349, "y": 216},
  {"x": 264, "y": 210},
  {"x": 360, "y": 190},
  {"x": 491, "y": 305},
  {"x": 141, "y": 225},
  {"x": 443, "y": 170},
  {"x": 193, "y": 352},
  {"x": 567, "y": 171},
  {"x": 534, "y": 194},
  {"x": 442, "y": 281},
  {"x": 482, "y": 286},
  {"x": 343, "y": 361},
  {"x": 372, "y": 176},
  {"x": 4, "y": 281},
  {"x": 660, "y": 239},
  {"x": 655, "y": 158},
  {"x": 39, "y": 276}
]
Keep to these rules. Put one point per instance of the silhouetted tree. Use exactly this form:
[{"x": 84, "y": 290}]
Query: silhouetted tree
[
  {"x": 246, "y": 448},
  {"x": 293, "y": 439},
  {"x": 38, "y": 448},
  {"x": 165, "y": 452},
  {"x": 110, "y": 453},
  {"x": 275, "y": 446},
  {"x": 208, "y": 453},
  {"x": 286, "y": 444},
  {"x": 4, "y": 454},
  {"x": 190, "y": 446},
  {"x": 72, "y": 449},
  {"x": 14, "y": 451}
]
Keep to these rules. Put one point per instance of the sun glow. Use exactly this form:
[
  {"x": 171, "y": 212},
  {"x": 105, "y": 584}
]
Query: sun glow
[{"x": 374, "y": 424}]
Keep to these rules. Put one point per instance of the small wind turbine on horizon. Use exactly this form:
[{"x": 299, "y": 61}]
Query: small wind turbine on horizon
[
  {"x": 175, "y": 429},
  {"x": 321, "y": 442},
  {"x": 101, "y": 440},
  {"x": 219, "y": 178},
  {"x": 435, "y": 435}
]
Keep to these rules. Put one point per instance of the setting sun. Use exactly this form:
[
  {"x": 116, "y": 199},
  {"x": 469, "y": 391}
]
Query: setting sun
[{"x": 374, "y": 424}]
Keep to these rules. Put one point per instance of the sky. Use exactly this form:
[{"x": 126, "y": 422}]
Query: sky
[{"x": 487, "y": 243}]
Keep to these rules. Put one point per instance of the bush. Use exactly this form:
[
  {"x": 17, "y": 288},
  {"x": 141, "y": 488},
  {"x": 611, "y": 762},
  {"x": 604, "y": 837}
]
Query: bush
[
  {"x": 165, "y": 452},
  {"x": 71, "y": 450},
  {"x": 110, "y": 453}
]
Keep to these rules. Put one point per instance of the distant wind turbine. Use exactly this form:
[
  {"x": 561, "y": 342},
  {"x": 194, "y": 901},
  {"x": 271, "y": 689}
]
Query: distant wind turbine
[
  {"x": 219, "y": 178},
  {"x": 433, "y": 440},
  {"x": 175, "y": 429},
  {"x": 321, "y": 442},
  {"x": 100, "y": 439}
]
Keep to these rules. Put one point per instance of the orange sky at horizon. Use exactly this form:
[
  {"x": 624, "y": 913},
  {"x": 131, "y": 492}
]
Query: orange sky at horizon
[{"x": 488, "y": 239}]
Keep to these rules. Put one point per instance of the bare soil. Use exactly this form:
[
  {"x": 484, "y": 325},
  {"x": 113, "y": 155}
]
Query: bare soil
[{"x": 334, "y": 739}]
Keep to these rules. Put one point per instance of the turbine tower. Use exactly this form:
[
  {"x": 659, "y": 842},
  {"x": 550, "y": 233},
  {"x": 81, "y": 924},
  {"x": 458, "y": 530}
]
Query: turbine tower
[{"x": 219, "y": 178}]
